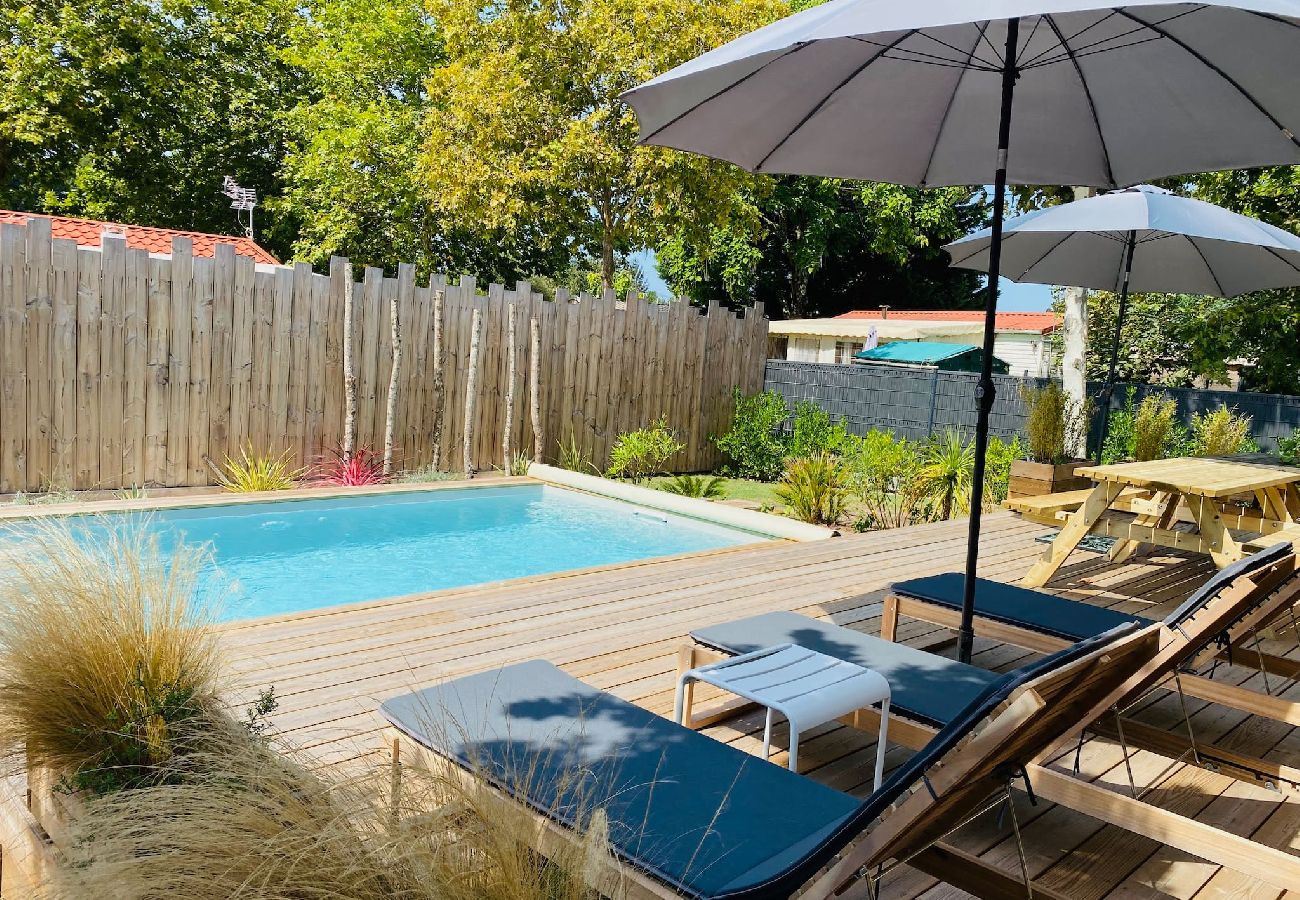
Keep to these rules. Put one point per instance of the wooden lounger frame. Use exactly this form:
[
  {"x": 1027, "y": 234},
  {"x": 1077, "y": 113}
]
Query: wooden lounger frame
[
  {"x": 1278, "y": 581},
  {"x": 1220, "y": 847},
  {"x": 1033, "y": 719}
]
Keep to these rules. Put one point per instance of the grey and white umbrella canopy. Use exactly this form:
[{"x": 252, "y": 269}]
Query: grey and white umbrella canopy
[
  {"x": 909, "y": 91},
  {"x": 1180, "y": 245},
  {"x": 923, "y": 92}
]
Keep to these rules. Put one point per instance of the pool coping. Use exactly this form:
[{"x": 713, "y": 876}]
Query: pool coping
[
  {"x": 756, "y": 523},
  {"x": 199, "y": 501}
]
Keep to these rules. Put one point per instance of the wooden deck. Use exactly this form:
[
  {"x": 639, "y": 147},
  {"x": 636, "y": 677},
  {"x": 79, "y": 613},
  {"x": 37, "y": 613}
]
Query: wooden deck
[{"x": 618, "y": 628}]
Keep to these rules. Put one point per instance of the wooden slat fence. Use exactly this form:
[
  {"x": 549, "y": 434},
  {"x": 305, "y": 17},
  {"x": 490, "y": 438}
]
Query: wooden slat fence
[{"x": 118, "y": 368}]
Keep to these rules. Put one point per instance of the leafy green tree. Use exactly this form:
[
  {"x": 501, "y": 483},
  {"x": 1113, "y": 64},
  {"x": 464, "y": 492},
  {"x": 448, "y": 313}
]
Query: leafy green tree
[
  {"x": 825, "y": 244},
  {"x": 135, "y": 109},
  {"x": 528, "y": 134}
]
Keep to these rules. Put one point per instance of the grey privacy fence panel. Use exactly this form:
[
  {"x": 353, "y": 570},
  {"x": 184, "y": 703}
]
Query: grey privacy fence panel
[{"x": 914, "y": 403}]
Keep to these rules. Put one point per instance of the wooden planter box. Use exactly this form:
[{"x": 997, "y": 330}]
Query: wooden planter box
[{"x": 1030, "y": 479}]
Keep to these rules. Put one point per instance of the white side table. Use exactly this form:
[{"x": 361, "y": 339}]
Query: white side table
[{"x": 806, "y": 687}]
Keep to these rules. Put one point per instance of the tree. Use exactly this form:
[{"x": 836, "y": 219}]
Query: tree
[
  {"x": 827, "y": 245},
  {"x": 135, "y": 109},
  {"x": 529, "y": 136}
]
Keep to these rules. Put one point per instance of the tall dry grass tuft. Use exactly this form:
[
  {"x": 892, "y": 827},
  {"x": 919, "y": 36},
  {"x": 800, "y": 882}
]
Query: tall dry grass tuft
[
  {"x": 244, "y": 821},
  {"x": 105, "y": 648}
]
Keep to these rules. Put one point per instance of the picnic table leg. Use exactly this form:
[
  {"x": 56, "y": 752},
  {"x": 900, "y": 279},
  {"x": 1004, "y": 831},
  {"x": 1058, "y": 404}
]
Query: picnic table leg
[
  {"x": 1214, "y": 534},
  {"x": 1167, "y": 505},
  {"x": 1076, "y": 529},
  {"x": 1281, "y": 509}
]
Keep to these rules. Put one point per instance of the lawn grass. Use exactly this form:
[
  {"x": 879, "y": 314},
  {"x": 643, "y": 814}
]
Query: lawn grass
[{"x": 738, "y": 489}]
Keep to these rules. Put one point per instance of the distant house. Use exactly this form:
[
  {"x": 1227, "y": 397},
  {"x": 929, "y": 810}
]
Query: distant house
[
  {"x": 158, "y": 241},
  {"x": 1022, "y": 340},
  {"x": 929, "y": 355}
]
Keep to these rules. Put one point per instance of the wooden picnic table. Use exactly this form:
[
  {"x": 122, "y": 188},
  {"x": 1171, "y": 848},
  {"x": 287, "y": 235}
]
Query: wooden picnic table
[{"x": 1138, "y": 503}]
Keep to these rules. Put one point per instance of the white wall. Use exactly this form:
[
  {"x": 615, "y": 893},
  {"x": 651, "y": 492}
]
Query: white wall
[{"x": 1026, "y": 354}]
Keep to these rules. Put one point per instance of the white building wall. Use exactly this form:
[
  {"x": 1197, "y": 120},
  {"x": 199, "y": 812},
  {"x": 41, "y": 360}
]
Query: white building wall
[{"x": 1026, "y": 354}]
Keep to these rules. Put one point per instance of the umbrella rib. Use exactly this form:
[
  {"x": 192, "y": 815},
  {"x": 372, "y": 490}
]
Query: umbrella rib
[
  {"x": 1208, "y": 267},
  {"x": 1082, "y": 31},
  {"x": 938, "y": 135},
  {"x": 818, "y": 108},
  {"x": 1213, "y": 68},
  {"x": 737, "y": 83},
  {"x": 1050, "y": 250},
  {"x": 1087, "y": 93},
  {"x": 1274, "y": 252}
]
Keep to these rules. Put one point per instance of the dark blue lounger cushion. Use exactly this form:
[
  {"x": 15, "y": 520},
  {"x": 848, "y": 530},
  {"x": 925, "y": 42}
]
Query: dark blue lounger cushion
[
  {"x": 928, "y": 687},
  {"x": 1071, "y": 620},
  {"x": 709, "y": 820}
]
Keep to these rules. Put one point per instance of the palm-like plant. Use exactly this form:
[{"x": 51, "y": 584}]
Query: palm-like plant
[
  {"x": 815, "y": 489},
  {"x": 947, "y": 470},
  {"x": 706, "y": 487}
]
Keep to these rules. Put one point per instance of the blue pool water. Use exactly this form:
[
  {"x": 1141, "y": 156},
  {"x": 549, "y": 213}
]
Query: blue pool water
[{"x": 296, "y": 555}]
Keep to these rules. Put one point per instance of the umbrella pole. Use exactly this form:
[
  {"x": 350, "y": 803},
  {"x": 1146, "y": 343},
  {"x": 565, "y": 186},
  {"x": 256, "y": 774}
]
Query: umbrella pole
[
  {"x": 1103, "y": 412},
  {"x": 985, "y": 392}
]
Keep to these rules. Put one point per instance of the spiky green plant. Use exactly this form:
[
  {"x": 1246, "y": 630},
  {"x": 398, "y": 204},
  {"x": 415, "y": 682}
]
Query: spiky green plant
[
  {"x": 574, "y": 458},
  {"x": 947, "y": 472},
  {"x": 815, "y": 489},
  {"x": 706, "y": 487},
  {"x": 519, "y": 464},
  {"x": 254, "y": 471}
]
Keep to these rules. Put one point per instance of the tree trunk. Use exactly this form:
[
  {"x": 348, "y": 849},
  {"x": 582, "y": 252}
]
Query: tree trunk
[
  {"x": 534, "y": 385},
  {"x": 390, "y": 422},
  {"x": 607, "y": 262},
  {"x": 511, "y": 378},
  {"x": 471, "y": 390},
  {"x": 435, "y": 427},
  {"x": 798, "y": 308},
  {"x": 349, "y": 367},
  {"x": 1074, "y": 360}
]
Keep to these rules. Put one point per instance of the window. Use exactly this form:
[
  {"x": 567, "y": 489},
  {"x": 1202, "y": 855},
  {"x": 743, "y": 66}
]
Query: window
[{"x": 844, "y": 350}]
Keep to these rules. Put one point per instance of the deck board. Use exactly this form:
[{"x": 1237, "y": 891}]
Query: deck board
[{"x": 618, "y": 628}]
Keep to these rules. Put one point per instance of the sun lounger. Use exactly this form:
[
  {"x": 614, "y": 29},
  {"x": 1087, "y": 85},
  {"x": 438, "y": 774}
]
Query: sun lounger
[
  {"x": 926, "y": 688},
  {"x": 1213, "y": 625},
  {"x": 690, "y": 816}
]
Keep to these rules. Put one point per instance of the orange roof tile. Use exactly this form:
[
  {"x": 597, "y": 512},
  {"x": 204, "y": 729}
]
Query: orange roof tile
[
  {"x": 1042, "y": 322},
  {"x": 88, "y": 232}
]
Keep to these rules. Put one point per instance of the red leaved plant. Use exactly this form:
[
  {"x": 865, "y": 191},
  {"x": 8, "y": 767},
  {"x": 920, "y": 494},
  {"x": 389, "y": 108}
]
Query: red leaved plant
[{"x": 338, "y": 469}]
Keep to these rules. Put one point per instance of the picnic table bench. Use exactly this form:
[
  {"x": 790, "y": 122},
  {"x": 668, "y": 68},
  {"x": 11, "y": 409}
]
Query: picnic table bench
[{"x": 1147, "y": 502}]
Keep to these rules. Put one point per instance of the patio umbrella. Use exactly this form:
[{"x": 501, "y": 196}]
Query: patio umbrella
[
  {"x": 923, "y": 92},
  {"x": 1139, "y": 239}
]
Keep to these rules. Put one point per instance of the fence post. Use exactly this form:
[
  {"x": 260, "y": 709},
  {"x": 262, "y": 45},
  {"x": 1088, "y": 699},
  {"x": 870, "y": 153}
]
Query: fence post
[{"x": 934, "y": 394}]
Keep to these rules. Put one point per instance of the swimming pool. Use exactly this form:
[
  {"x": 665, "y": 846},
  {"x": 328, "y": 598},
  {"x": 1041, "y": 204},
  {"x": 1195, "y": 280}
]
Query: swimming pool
[{"x": 295, "y": 555}]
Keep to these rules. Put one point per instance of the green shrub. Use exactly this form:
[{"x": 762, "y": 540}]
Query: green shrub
[
  {"x": 643, "y": 452},
  {"x": 997, "y": 468},
  {"x": 706, "y": 487},
  {"x": 1221, "y": 433},
  {"x": 814, "y": 489},
  {"x": 753, "y": 446},
  {"x": 947, "y": 472},
  {"x": 1289, "y": 448},
  {"x": 813, "y": 433},
  {"x": 884, "y": 474},
  {"x": 1145, "y": 431},
  {"x": 426, "y": 475},
  {"x": 1156, "y": 431}
]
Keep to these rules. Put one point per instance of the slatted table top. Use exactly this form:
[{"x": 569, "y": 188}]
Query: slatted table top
[{"x": 1199, "y": 476}]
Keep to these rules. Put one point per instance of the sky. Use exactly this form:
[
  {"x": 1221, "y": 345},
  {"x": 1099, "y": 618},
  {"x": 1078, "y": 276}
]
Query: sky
[{"x": 1012, "y": 298}]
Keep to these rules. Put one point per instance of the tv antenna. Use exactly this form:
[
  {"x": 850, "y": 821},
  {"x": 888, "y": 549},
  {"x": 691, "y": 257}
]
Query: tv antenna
[{"x": 242, "y": 200}]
